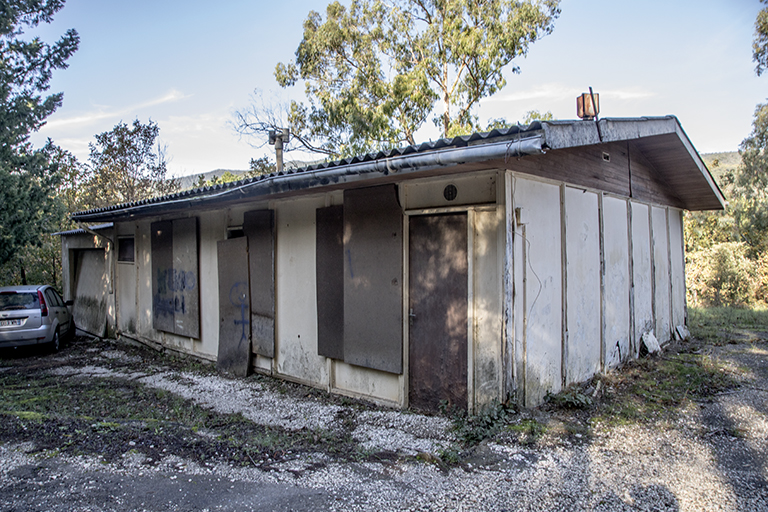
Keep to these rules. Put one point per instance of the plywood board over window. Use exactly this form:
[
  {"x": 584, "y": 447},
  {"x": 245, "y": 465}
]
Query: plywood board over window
[
  {"x": 373, "y": 271},
  {"x": 259, "y": 228},
  {"x": 329, "y": 261},
  {"x": 175, "y": 291}
]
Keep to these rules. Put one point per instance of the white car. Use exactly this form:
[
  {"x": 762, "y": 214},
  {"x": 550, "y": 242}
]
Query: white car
[{"x": 34, "y": 314}]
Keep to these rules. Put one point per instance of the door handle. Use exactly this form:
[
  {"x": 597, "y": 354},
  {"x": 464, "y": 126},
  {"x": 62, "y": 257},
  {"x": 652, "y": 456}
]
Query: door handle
[{"x": 411, "y": 316}]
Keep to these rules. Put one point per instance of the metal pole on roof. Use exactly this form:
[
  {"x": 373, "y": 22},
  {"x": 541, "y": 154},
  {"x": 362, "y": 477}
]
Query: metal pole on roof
[{"x": 277, "y": 139}]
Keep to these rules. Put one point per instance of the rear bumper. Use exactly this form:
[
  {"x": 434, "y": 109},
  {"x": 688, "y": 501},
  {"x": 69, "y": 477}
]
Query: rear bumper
[{"x": 20, "y": 337}]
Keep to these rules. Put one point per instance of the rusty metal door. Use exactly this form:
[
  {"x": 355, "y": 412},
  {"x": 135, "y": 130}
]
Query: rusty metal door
[{"x": 438, "y": 280}]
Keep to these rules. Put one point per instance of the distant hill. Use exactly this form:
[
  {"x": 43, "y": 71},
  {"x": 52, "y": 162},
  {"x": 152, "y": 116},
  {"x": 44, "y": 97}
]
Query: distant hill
[{"x": 191, "y": 181}]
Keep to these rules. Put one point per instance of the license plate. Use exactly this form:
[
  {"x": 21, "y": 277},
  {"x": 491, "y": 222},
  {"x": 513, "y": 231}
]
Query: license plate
[{"x": 8, "y": 323}]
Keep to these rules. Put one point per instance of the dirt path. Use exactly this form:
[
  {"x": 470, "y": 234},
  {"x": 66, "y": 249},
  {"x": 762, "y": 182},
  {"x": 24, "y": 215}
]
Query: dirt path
[{"x": 104, "y": 426}]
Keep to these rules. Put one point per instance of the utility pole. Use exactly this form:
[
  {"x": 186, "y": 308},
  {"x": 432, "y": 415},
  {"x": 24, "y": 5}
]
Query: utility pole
[{"x": 277, "y": 139}]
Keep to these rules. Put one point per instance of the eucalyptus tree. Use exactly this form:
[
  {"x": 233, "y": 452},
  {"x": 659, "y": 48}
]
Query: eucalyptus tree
[
  {"x": 127, "y": 163},
  {"x": 376, "y": 71}
]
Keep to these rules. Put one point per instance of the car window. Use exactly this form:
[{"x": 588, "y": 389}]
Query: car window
[
  {"x": 58, "y": 298},
  {"x": 13, "y": 300},
  {"x": 50, "y": 296}
]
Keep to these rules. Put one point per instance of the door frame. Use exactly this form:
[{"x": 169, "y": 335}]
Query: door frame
[{"x": 470, "y": 211}]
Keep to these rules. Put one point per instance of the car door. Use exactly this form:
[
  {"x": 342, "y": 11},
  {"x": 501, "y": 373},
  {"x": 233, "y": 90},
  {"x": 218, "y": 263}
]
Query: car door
[
  {"x": 66, "y": 313},
  {"x": 57, "y": 310}
]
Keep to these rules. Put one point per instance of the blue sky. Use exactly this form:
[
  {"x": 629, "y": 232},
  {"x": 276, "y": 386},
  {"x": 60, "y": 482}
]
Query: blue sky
[{"x": 188, "y": 65}]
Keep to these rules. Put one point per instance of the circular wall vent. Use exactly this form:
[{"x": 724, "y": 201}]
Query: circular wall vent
[{"x": 450, "y": 192}]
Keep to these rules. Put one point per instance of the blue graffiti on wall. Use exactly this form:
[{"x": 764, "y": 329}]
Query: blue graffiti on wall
[
  {"x": 174, "y": 281},
  {"x": 238, "y": 297}
]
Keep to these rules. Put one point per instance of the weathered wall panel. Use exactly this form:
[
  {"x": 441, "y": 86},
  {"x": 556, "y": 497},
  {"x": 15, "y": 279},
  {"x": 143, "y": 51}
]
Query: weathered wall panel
[
  {"x": 212, "y": 229},
  {"x": 642, "y": 273},
  {"x": 144, "y": 289},
  {"x": 582, "y": 227},
  {"x": 357, "y": 381},
  {"x": 616, "y": 319},
  {"x": 677, "y": 253},
  {"x": 486, "y": 307},
  {"x": 661, "y": 276},
  {"x": 185, "y": 279},
  {"x": 540, "y": 203},
  {"x": 234, "y": 306},
  {"x": 296, "y": 314},
  {"x": 90, "y": 308},
  {"x": 330, "y": 281},
  {"x": 162, "y": 274},
  {"x": 373, "y": 271},
  {"x": 258, "y": 226},
  {"x": 479, "y": 188}
]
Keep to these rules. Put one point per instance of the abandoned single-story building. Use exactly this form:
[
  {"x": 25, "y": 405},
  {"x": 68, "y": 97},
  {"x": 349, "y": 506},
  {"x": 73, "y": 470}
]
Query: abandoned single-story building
[{"x": 492, "y": 267}]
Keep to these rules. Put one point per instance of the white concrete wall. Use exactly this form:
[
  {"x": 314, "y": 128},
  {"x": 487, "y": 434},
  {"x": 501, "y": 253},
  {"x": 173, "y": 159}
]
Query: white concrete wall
[
  {"x": 541, "y": 288},
  {"x": 486, "y": 315},
  {"x": 583, "y": 306},
  {"x": 616, "y": 289},
  {"x": 662, "y": 306},
  {"x": 677, "y": 254},
  {"x": 296, "y": 298},
  {"x": 212, "y": 227},
  {"x": 616, "y": 284},
  {"x": 125, "y": 280},
  {"x": 642, "y": 274}
]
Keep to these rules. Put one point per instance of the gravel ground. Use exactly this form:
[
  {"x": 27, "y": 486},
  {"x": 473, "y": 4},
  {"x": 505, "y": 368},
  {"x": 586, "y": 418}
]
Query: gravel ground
[{"x": 711, "y": 457}]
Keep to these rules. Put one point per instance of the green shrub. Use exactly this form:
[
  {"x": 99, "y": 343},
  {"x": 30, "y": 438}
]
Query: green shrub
[{"x": 721, "y": 275}]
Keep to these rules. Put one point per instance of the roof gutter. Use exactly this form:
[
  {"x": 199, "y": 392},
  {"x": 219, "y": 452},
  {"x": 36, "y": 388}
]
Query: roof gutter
[{"x": 339, "y": 174}]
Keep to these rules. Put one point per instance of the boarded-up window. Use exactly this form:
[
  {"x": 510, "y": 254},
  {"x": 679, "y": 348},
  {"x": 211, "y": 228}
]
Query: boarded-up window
[
  {"x": 373, "y": 270},
  {"x": 329, "y": 263},
  {"x": 258, "y": 226},
  {"x": 175, "y": 293}
]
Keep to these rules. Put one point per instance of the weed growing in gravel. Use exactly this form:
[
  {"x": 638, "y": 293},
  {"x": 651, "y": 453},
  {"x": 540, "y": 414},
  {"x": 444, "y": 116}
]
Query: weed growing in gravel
[
  {"x": 570, "y": 398},
  {"x": 487, "y": 423}
]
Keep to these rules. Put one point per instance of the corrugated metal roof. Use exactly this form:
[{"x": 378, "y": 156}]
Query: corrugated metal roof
[
  {"x": 82, "y": 231},
  {"x": 455, "y": 142},
  {"x": 677, "y": 161}
]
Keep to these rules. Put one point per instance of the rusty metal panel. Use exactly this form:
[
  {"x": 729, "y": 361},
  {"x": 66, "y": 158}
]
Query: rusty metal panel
[
  {"x": 373, "y": 269},
  {"x": 329, "y": 273},
  {"x": 186, "y": 295},
  {"x": 234, "y": 306},
  {"x": 258, "y": 226},
  {"x": 438, "y": 280},
  {"x": 162, "y": 276}
]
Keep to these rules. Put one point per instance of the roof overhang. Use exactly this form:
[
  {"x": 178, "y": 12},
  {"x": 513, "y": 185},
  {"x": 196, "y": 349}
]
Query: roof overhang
[{"x": 661, "y": 139}]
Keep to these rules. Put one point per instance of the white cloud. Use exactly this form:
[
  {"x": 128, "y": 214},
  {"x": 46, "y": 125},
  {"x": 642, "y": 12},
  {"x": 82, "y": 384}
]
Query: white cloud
[
  {"x": 557, "y": 91},
  {"x": 91, "y": 117}
]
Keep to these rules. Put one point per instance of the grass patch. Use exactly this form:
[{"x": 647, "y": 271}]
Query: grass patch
[
  {"x": 722, "y": 325},
  {"x": 656, "y": 388},
  {"x": 528, "y": 430}
]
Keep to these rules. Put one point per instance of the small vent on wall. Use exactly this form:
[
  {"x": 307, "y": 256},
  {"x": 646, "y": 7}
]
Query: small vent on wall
[
  {"x": 606, "y": 156},
  {"x": 450, "y": 192}
]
